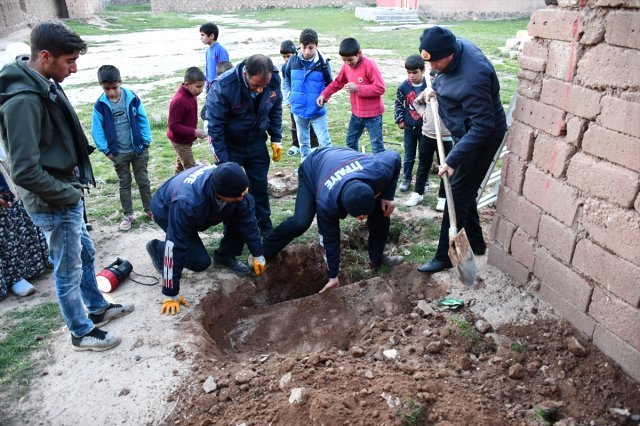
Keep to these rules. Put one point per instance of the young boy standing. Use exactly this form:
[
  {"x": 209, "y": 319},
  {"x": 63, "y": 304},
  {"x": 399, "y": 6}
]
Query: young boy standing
[
  {"x": 308, "y": 73},
  {"x": 121, "y": 131},
  {"x": 361, "y": 78},
  {"x": 407, "y": 117},
  {"x": 183, "y": 118},
  {"x": 215, "y": 53},
  {"x": 288, "y": 49}
]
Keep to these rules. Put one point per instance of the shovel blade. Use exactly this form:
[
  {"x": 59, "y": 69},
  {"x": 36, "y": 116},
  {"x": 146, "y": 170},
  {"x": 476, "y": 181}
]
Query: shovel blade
[{"x": 462, "y": 258}]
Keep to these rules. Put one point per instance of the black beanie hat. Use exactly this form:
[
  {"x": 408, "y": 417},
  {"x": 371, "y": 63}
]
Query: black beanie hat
[
  {"x": 229, "y": 180},
  {"x": 437, "y": 43},
  {"x": 287, "y": 46},
  {"x": 357, "y": 198}
]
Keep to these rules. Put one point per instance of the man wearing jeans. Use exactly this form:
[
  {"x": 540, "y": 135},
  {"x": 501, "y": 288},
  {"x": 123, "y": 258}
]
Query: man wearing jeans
[{"x": 50, "y": 165}]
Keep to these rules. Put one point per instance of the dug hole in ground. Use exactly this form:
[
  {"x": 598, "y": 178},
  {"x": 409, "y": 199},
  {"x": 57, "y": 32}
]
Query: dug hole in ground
[{"x": 270, "y": 350}]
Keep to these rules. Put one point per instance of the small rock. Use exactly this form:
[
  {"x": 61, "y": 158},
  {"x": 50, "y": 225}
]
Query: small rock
[
  {"x": 209, "y": 385},
  {"x": 392, "y": 401},
  {"x": 137, "y": 357},
  {"x": 574, "y": 346},
  {"x": 369, "y": 374},
  {"x": 517, "y": 371},
  {"x": 285, "y": 380},
  {"x": 390, "y": 354},
  {"x": 423, "y": 308},
  {"x": 124, "y": 392},
  {"x": 357, "y": 352},
  {"x": 465, "y": 362},
  {"x": 244, "y": 376},
  {"x": 393, "y": 341},
  {"x": 549, "y": 408},
  {"x": 298, "y": 396},
  {"x": 435, "y": 347},
  {"x": 482, "y": 326}
]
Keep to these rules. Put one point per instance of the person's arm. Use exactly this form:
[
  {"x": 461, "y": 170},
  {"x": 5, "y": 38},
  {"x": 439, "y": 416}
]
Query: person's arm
[
  {"x": 177, "y": 114},
  {"x": 275, "y": 114},
  {"x": 24, "y": 153},
  {"x": 329, "y": 230},
  {"x": 337, "y": 84},
  {"x": 398, "y": 107},
  {"x": 97, "y": 131},
  {"x": 218, "y": 111}
]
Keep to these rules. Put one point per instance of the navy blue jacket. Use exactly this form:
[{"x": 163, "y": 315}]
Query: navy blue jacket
[
  {"x": 236, "y": 119},
  {"x": 403, "y": 107},
  {"x": 307, "y": 81},
  {"x": 327, "y": 170},
  {"x": 469, "y": 103},
  {"x": 187, "y": 202}
]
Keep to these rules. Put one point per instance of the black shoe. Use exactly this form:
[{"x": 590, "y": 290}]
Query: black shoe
[
  {"x": 435, "y": 266},
  {"x": 480, "y": 250},
  {"x": 156, "y": 257},
  {"x": 89, "y": 226},
  {"x": 232, "y": 264}
]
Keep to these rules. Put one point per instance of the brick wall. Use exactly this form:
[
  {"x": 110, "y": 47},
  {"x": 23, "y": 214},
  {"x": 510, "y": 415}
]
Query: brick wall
[
  {"x": 205, "y": 5},
  {"x": 568, "y": 214}
]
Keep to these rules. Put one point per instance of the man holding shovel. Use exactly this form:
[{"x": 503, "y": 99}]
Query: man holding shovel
[{"x": 467, "y": 91}]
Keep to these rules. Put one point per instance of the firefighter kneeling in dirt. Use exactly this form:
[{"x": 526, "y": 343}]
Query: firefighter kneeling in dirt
[
  {"x": 193, "y": 201},
  {"x": 334, "y": 182}
]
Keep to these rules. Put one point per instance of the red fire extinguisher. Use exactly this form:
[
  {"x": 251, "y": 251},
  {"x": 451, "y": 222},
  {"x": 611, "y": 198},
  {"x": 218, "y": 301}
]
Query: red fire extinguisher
[{"x": 111, "y": 276}]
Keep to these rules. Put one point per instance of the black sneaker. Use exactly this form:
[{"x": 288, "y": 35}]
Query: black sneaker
[
  {"x": 115, "y": 310},
  {"x": 156, "y": 257},
  {"x": 232, "y": 264},
  {"x": 96, "y": 340}
]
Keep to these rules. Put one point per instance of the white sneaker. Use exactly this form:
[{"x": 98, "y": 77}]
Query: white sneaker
[
  {"x": 414, "y": 199},
  {"x": 440, "y": 205}
]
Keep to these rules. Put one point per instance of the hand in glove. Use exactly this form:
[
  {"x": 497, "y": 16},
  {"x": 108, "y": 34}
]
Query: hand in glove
[
  {"x": 277, "y": 151},
  {"x": 259, "y": 264},
  {"x": 171, "y": 306}
]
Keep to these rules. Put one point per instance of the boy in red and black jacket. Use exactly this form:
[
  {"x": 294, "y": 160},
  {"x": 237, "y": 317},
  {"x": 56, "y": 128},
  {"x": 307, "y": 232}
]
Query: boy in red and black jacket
[{"x": 183, "y": 118}]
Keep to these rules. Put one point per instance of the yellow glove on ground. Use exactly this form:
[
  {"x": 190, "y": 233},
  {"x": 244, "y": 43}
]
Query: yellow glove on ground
[
  {"x": 277, "y": 151},
  {"x": 172, "y": 306},
  {"x": 259, "y": 264}
]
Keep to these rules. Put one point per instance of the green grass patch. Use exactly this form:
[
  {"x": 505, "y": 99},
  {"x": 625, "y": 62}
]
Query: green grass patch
[
  {"x": 412, "y": 414},
  {"x": 27, "y": 332},
  {"x": 465, "y": 329},
  {"x": 518, "y": 346}
]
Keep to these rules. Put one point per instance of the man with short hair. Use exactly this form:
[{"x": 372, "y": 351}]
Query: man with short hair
[
  {"x": 50, "y": 165},
  {"x": 468, "y": 94},
  {"x": 243, "y": 107}
]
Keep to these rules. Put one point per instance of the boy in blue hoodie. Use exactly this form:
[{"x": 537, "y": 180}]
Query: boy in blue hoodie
[{"x": 121, "y": 131}]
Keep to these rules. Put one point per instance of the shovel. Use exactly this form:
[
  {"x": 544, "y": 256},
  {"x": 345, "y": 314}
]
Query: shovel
[{"x": 460, "y": 252}]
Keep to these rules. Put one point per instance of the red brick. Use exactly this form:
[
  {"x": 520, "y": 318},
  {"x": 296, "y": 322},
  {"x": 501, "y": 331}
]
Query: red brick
[
  {"x": 523, "y": 248},
  {"x": 557, "y": 238},
  {"x": 532, "y": 63},
  {"x": 616, "y": 315},
  {"x": 507, "y": 264},
  {"x": 571, "y": 98},
  {"x": 608, "y": 66},
  {"x": 541, "y": 116},
  {"x": 530, "y": 89},
  {"x": 520, "y": 140},
  {"x": 614, "y": 228},
  {"x": 518, "y": 210},
  {"x": 575, "y": 129},
  {"x": 502, "y": 232},
  {"x": 623, "y": 29},
  {"x": 563, "y": 60},
  {"x": 613, "y": 146},
  {"x": 621, "y": 115},
  {"x": 627, "y": 357},
  {"x": 583, "y": 322},
  {"x": 562, "y": 279},
  {"x": 557, "y": 24},
  {"x": 598, "y": 177},
  {"x": 617, "y": 275},
  {"x": 552, "y": 154},
  {"x": 552, "y": 196},
  {"x": 513, "y": 172}
]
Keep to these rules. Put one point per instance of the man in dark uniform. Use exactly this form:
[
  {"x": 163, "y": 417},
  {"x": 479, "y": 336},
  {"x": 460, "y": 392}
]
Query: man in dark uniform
[
  {"x": 244, "y": 105},
  {"x": 468, "y": 95},
  {"x": 193, "y": 201},
  {"x": 334, "y": 182}
]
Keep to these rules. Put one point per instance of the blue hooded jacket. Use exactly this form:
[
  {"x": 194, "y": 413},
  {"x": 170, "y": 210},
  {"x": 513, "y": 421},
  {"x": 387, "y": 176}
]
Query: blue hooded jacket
[
  {"x": 327, "y": 170},
  {"x": 469, "y": 103},
  {"x": 235, "y": 119},
  {"x": 307, "y": 81},
  {"x": 103, "y": 128}
]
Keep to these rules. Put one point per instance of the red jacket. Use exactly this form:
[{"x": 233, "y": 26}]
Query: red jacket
[
  {"x": 367, "y": 101},
  {"x": 183, "y": 117}
]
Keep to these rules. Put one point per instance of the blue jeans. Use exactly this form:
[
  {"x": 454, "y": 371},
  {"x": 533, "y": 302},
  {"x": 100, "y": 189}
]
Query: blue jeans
[
  {"x": 412, "y": 134},
  {"x": 374, "y": 127},
  {"x": 73, "y": 253},
  {"x": 320, "y": 126}
]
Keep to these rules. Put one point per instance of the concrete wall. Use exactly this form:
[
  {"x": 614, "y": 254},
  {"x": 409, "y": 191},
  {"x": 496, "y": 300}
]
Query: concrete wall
[
  {"x": 226, "y": 5},
  {"x": 477, "y": 9},
  {"x": 19, "y": 14},
  {"x": 568, "y": 214}
]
